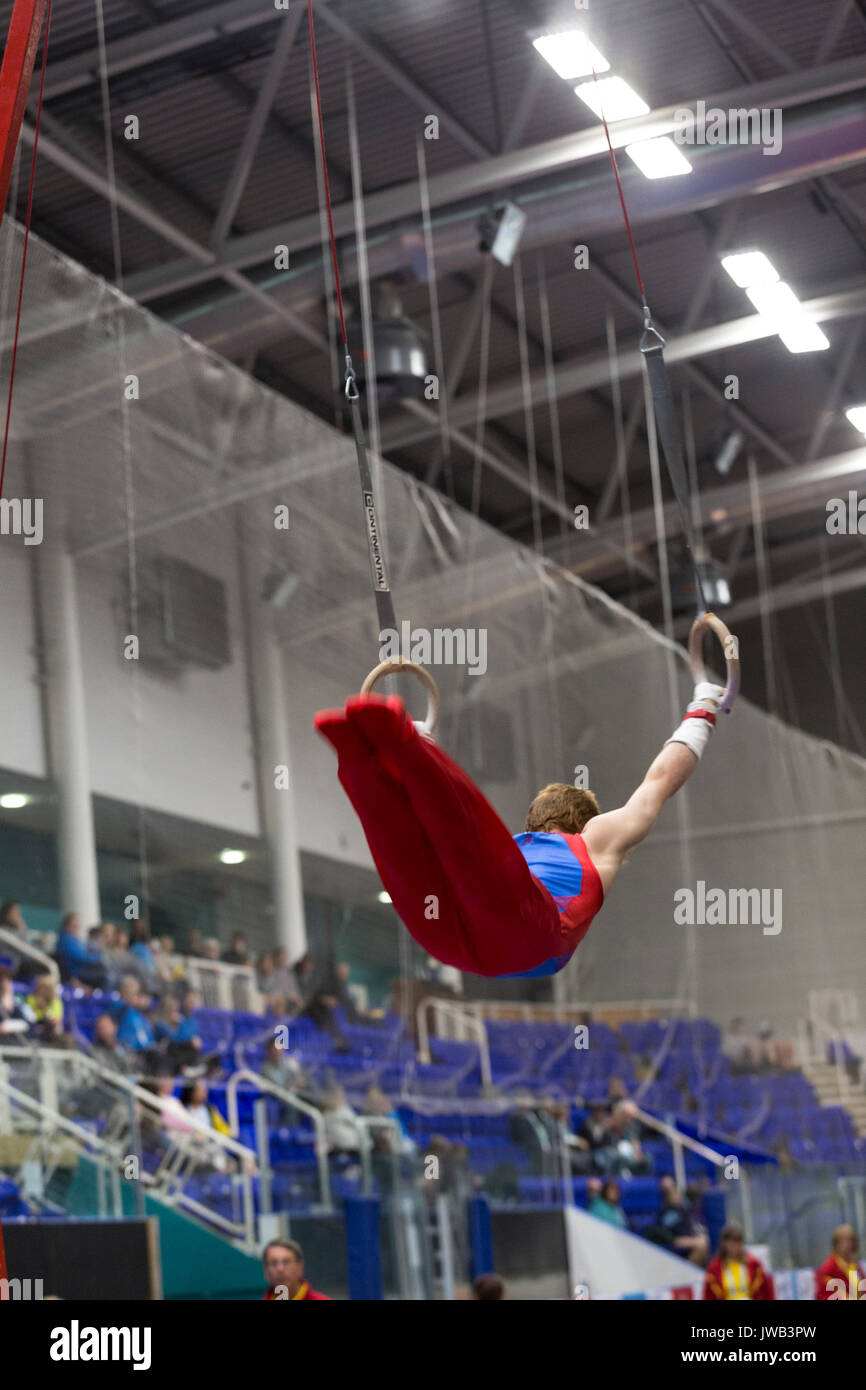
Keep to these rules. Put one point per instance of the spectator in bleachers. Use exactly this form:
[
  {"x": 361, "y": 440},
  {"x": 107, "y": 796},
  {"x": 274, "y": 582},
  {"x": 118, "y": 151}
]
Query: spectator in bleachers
[
  {"x": 134, "y": 1029},
  {"x": 176, "y": 1037},
  {"x": 841, "y": 1276},
  {"x": 284, "y": 979},
  {"x": 283, "y": 1069},
  {"x": 12, "y": 920},
  {"x": 318, "y": 1002},
  {"x": 342, "y": 1131},
  {"x": 378, "y": 1106},
  {"x": 15, "y": 1017},
  {"x": 113, "y": 942},
  {"x": 488, "y": 1288},
  {"x": 211, "y": 949},
  {"x": 734, "y": 1274},
  {"x": 531, "y": 1131},
  {"x": 346, "y": 1001},
  {"x": 108, "y": 1050},
  {"x": 237, "y": 953},
  {"x": 596, "y": 1132},
  {"x": 556, "y": 1118},
  {"x": 79, "y": 964},
  {"x": 47, "y": 1010},
  {"x": 604, "y": 1202},
  {"x": 145, "y": 961},
  {"x": 624, "y": 1130},
  {"x": 275, "y": 982},
  {"x": 616, "y": 1091},
  {"x": 678, "y": 1228}
]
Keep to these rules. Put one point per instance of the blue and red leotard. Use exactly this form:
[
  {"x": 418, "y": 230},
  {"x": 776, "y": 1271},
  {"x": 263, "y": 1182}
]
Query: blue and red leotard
[{"x": 470, "y": 893}]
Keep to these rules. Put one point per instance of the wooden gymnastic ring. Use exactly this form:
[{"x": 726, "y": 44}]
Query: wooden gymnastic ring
[
  {"x": 395, "y": 668},
  {"x": 730, "y": 647}
]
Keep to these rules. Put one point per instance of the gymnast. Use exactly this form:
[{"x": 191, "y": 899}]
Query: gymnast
[{"x": 470, "y": 893}]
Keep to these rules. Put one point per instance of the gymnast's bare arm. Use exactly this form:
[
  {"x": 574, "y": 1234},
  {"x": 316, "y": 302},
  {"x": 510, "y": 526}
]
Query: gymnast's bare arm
[{"x": 611, "y": 837}]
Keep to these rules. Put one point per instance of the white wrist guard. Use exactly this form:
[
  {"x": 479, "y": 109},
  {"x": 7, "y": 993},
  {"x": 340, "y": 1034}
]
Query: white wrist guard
[{"x": 700, "y": 718}]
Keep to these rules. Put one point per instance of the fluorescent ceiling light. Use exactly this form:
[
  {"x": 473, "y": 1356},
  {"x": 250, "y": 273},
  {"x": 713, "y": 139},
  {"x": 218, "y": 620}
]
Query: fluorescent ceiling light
[
  {"x": 13, "y": 801},
  {"x": 750, "y": 268},
  {"x": 232, "y": 856},
  {"x": 571, "y": 54},
  {"x": 659, "y": 159},
  {"x": 384, "y": 897},
  {"x": 804, "y": 335},
  {"x": 613, "y": 96},
  {"x": 776, "y": 302},
  {"x": 857, "y": 416}
]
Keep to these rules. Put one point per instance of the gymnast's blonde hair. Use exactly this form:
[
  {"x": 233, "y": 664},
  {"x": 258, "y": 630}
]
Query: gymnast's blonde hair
[{"x": 559, "y": 806}]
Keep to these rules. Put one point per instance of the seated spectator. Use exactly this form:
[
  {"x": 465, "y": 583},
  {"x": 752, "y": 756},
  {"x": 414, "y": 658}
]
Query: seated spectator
[
  {"x": 237, "y": 953},
  {"x": 176, "y": 1037},
  {"x": 194, "y": 1099},
  {"x": 841, "y": 1277},
  {"x": 16, "y": 1018},
  {"x": 276, "y": 982},
  {"x": 734, "y": 1274},
  {"x": 194, "y": 943},
  {"x": 108, "y": 1050},
  {"x": 283, "y": 1069},
  {"x": 378, "y": 1106},
  {"x": 79, "y": 964},
  {"x": 12, "y": 921},
  {"x": 342, "y": 1131},
  {"x": 145, "y": 961},
  {"x": 533, "y": 1132},
  {"x": 596, "y": 1130},
  {"x": 557, "y": 1118},
  {"x": 678, "y": 1228},
  {"x": 624, "y": 1129},
  {"x": 134, "y": 1030},
  {"x": 318, "y": 1001},
  {"x": 604, "y": 1202},
  {"x": 47, "y": 1010},
  {"x": 211, "y": 949},
  {"x": 339, "y": 987}
]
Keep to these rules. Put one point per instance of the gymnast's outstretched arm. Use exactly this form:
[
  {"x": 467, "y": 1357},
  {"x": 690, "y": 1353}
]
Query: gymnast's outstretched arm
[{"x": 611, "y": 837}]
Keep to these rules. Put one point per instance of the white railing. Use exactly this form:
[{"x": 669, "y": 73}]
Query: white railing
[
  {"x": 294, "y": 1102},
  {"x": 445, "y": 1010},
  {"x": 640, "y": 1010},
  {"x": 221, "y": 986},
  {"x": 184, "y": 1148},
  {"x": 23, "y": 948}
]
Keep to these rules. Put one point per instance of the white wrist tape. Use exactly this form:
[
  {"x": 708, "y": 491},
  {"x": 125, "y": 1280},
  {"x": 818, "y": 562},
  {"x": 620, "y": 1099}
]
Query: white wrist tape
[{"x": 700, "y": 718}]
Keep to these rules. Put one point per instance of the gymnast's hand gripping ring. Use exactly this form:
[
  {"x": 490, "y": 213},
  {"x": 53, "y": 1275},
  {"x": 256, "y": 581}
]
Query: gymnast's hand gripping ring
[
  {"x": 427, "y": 725},
  {"x": 731, "y": 649}
]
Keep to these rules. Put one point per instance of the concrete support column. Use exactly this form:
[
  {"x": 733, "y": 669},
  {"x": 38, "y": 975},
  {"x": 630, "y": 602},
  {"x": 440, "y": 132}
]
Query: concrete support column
[
  {"x": 269, "y": 700},
  {"x": 67, "y": 730}
]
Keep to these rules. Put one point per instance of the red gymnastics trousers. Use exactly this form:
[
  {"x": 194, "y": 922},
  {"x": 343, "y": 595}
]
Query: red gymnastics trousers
[{"x": 455, "y": 875}]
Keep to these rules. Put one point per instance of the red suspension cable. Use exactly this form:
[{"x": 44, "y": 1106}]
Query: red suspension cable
[
  {"x": 325, "y": 177},
  {"x": 24, "y": 252},
  {"x": 621, "y": 197}
]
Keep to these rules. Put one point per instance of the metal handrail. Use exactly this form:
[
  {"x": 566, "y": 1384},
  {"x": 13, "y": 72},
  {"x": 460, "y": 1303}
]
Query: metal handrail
[
  {"x": 679, "y": 1141},
  {"x": 295, "y": 1102},
  {"x": 14, "y": 941},
  {"x": 181, "y": 1152},
  {"x": 457, "y": 1011}
]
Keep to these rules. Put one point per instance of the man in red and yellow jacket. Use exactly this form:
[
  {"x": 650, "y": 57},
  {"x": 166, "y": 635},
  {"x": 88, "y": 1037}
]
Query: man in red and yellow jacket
[
  {"x": 284, "y": 1270},
  {"x": 840, "y": 1276},
  {"x": 734, "y": 1274}
]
